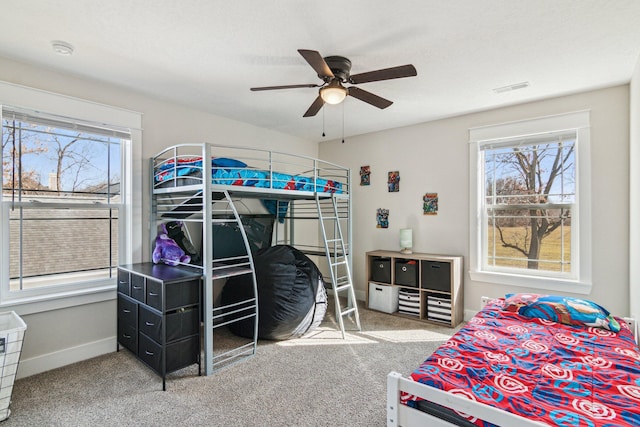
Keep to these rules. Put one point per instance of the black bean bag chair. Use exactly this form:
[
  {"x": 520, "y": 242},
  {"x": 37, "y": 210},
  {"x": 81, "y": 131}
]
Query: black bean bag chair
[{"x": 292, "y": 299}]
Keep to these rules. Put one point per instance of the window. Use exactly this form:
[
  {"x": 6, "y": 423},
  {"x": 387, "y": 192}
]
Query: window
[
  {"x": 66, "y": 200},
  {"x": 62, "y": 182},
  {"x": 530, "y": 223}
]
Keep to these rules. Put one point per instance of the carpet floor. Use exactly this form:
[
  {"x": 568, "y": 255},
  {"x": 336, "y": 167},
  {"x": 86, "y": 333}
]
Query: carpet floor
[{"x": 319, "y": 380}]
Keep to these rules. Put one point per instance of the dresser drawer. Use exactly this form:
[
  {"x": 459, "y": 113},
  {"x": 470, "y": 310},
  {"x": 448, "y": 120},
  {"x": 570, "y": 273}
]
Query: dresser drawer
[
  {"x": 179, "y": 354},
  {"x": 183, "y": 323},
  {"x": 176, "y": 294},
  {"x": 128, "y": 337},
  {"x": 182, "y": 353},
  {"x": 127, "y": 311},
  {"x": 137, "y": 287},
  {"x": 179, "y": 324},
  {"x": 150, "y": 352},
  {"x": 124, "y": 282}
]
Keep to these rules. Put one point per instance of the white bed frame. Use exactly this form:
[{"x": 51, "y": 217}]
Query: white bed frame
[{"x": 399, "y": 414}]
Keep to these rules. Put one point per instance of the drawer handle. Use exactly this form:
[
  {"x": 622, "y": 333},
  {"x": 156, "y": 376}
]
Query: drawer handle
[
  {"x": 123, "y": 282},
  {"x": 126, "y": 336},
  {"x": 152, "y": 294},
  {"x": 404, "y": 268},
  {"x": 124, "y": 310},
  {"x": 149, "y": 353},
  {"x": 381, "y": 266},
  {"x": 137, "y": 287},
  {"x": 149, "y": 324},
  {"x": 435, "y": 266}
]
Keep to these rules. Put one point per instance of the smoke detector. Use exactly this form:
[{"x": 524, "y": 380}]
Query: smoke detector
[{"x": 62, "y": 48}]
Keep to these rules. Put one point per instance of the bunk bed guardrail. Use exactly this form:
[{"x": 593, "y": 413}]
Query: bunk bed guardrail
[{"x": 256, "y": 169}]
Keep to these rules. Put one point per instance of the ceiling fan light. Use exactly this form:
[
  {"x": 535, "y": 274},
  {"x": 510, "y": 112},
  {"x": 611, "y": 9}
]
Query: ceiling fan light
[{"x": 333, "y": 93}]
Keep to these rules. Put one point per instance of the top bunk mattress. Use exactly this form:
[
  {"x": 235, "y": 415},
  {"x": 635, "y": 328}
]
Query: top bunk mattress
[
  {"x": 179, "y": 170},
  {"x": 542, "y": 370}
]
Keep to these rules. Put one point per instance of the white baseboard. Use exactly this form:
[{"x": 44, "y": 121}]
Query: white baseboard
[
  {"x": 360, "y": 295},
  {"x": 468, "y": 314},
  {"x": 57, "y": 359}
]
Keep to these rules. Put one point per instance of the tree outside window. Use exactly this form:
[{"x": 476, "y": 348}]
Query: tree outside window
[{"x": 529, "y": 198}]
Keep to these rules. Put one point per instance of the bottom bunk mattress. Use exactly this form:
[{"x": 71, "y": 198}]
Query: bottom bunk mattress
[{"x": 558, "y": 374}]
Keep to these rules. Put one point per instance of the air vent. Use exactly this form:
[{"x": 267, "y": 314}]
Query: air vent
[{"x": 509, "y": 88}]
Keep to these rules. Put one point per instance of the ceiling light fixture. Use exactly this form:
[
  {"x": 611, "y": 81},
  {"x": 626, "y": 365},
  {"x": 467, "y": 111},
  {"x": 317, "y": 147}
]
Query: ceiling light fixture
[
  {"x": 334, "y": 93},
  {"x": 509, "y": 88},
  {"x": 62, "y": 48}
]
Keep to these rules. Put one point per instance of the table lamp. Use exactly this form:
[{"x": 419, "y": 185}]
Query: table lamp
[{"x": 406, "y": 240}]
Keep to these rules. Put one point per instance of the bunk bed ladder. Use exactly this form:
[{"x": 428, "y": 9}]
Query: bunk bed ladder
[{"x": 338, "y": 259}]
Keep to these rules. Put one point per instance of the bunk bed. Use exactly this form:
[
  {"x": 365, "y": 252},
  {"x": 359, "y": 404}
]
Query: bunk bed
[
  {"x": 506, "y": 369},
  {"x": 296, "y": 190}
]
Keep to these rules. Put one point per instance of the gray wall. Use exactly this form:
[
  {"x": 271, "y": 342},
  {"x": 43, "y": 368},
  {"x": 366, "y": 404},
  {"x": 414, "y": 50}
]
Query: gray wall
[
  {"x": 434, "y": 157},
  {"x": 59, "y": 336}
]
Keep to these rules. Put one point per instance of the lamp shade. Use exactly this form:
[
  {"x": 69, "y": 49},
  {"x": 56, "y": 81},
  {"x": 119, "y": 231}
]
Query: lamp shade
[
  {"x": 333, "y": 93},
  {"x": 406, "y": 240}
]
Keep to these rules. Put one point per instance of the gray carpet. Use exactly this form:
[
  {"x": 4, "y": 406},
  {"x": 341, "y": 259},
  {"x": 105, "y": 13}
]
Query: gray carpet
[{"x": 320, "y": 380}]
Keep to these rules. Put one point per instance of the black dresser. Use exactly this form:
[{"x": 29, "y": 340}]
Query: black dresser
[{"x": 159, "y": 315}]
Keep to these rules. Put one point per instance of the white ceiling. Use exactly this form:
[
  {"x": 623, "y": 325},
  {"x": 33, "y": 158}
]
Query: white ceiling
[{"x": 206, "y": 54}]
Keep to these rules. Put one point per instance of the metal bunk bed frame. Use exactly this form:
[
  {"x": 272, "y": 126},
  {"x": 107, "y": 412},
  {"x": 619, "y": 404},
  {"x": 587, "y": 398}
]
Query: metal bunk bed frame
[{"x": 190, "y": 198}]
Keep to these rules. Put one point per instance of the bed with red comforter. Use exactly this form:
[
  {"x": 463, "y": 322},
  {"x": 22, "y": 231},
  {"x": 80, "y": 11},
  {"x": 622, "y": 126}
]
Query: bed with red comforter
[{"x": 541, "y": 370}]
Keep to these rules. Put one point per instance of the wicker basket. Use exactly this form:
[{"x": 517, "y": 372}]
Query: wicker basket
[{"x": 12, "y": 329}]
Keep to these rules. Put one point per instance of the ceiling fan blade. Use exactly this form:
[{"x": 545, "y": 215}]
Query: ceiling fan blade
[
  {"x": 317, "y": 62},
  {"x": 284, "y": 87},
  {"x": 369, "y": 97},
  {"x": 384, "y": 74},
  {"x": 315, "y": 107}
]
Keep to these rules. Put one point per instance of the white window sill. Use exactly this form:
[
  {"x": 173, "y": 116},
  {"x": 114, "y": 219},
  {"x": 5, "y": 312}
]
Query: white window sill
[
  {"x": 60, "y": 300},
  {"x": 532, "y": 282}
]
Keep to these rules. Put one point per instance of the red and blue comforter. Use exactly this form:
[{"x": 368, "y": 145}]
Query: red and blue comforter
[
  {"x": 226, "y": 171},
  {"x": 557, "y": 374}
]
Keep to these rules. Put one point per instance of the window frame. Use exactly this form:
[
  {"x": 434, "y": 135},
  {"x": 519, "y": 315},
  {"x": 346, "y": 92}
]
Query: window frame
[
  {"x": 70, "y": 109},
  {"x": 580, "y": 282}
]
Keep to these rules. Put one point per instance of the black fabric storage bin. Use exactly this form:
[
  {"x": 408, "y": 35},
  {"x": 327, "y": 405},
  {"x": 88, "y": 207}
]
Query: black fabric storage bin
[
  {"x": 436, "y": 275},
  {"x": 182, "y": 353},
  {"x": 178, "y": 354},
  {"x": 381, "y": 269},
  {"x": 406, "y": 273},
  {"x": 179, "y": 324},
  {"x": 176, "y": 295}
]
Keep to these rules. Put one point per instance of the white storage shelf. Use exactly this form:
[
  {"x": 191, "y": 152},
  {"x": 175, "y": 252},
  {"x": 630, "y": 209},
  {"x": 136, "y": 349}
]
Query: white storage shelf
[{"x": 420, "y": 286}]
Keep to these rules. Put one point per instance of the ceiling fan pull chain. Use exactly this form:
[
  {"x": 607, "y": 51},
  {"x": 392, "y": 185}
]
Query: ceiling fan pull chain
[
  {"x": 323, "y": 123},
  {"x": 343, "y": 122}
]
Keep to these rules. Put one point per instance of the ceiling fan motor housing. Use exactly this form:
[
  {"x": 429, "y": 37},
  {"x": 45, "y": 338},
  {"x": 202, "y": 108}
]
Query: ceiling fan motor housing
[{"x": 339, "y": 66}]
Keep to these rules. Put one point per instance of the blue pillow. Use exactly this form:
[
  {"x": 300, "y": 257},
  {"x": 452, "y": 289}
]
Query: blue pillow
[
  {"x": 224, "y": 162},
  {"x": 560, "y": 309}
]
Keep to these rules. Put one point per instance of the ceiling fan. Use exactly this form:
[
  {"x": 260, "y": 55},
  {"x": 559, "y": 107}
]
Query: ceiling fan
[{"x": 334, "y": 71}]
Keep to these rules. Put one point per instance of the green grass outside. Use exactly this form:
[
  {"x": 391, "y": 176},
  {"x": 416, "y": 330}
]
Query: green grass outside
[{"x": 551, "y": 248}]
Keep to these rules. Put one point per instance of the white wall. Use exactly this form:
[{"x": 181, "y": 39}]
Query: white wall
[
  {"x": 58, "y": 337},
  {"x": 634, "y": 194},
  {"x": 433, "y": 157}
]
